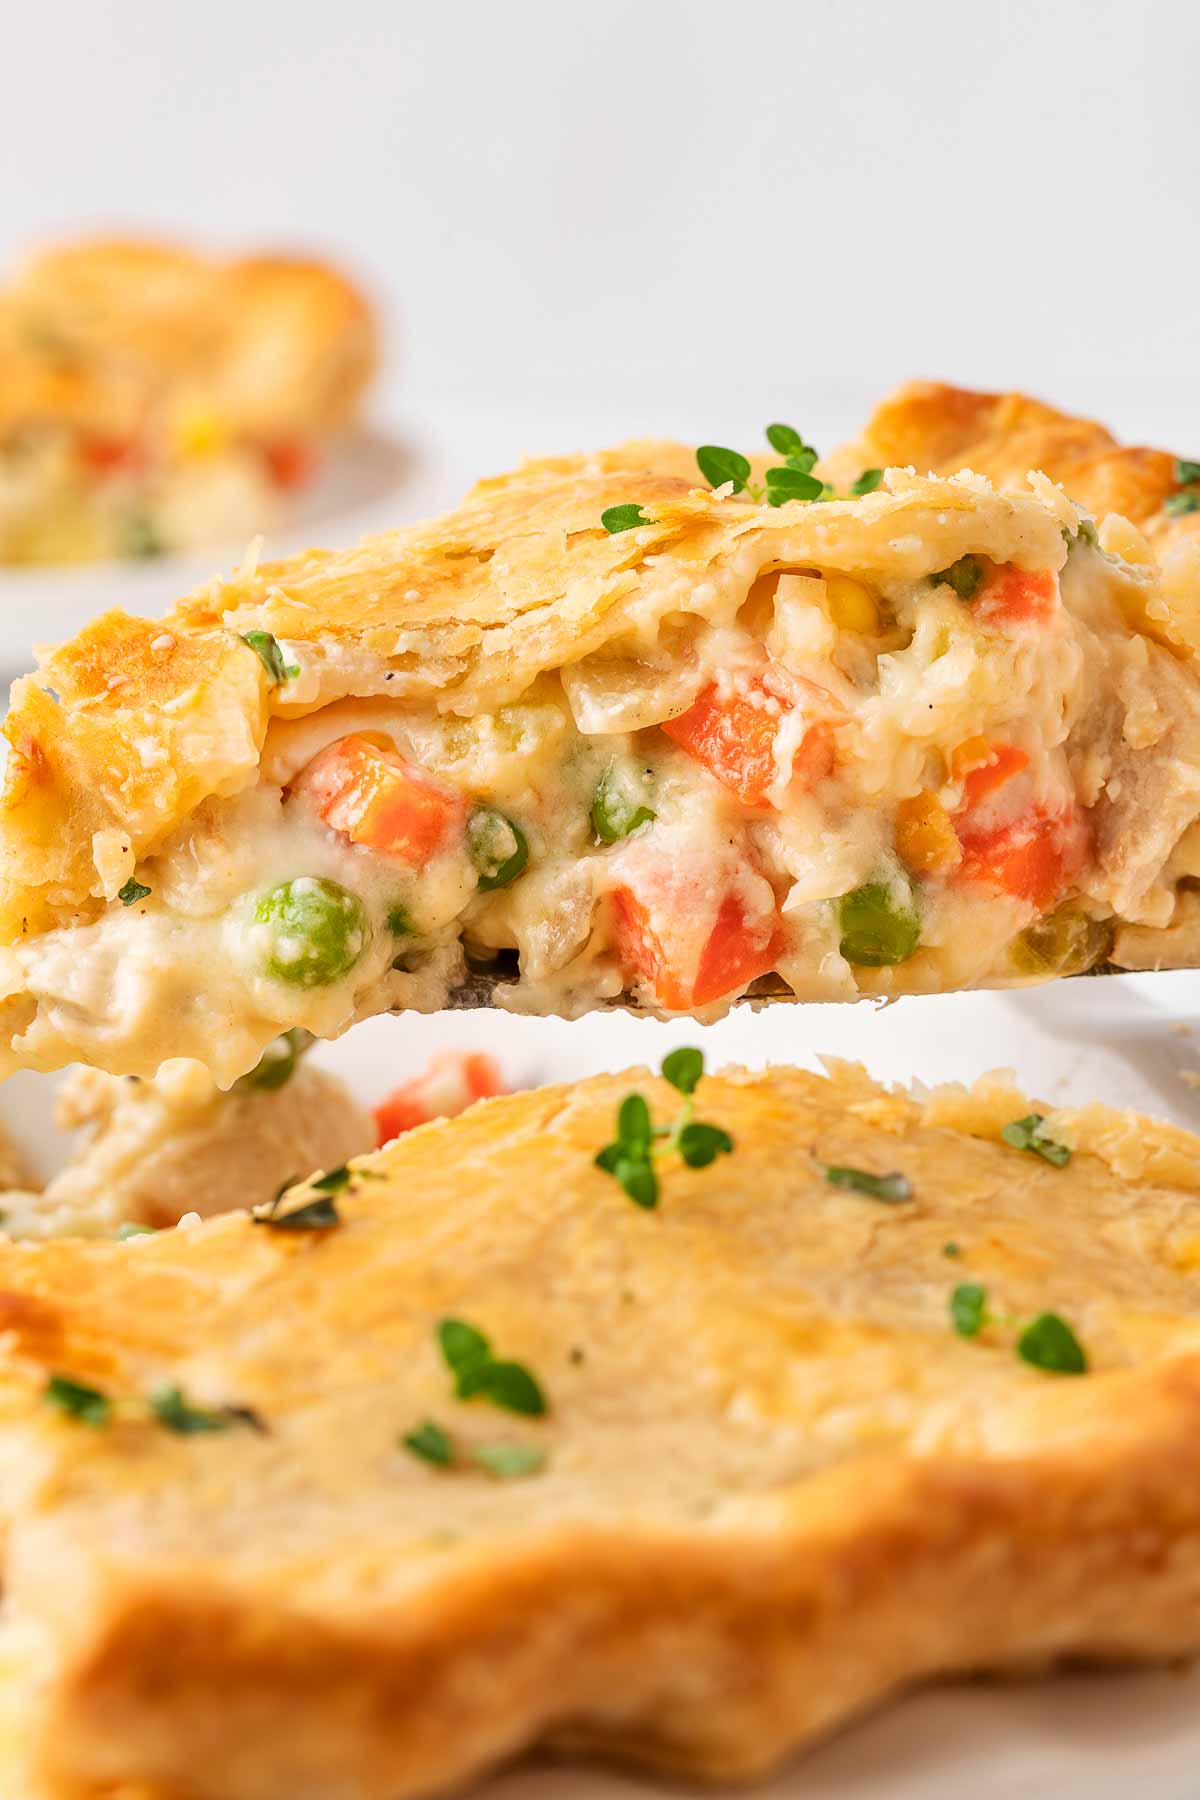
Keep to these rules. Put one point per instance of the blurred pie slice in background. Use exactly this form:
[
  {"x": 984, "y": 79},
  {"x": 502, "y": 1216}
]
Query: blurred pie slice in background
[{"x": 154, "y": 399}]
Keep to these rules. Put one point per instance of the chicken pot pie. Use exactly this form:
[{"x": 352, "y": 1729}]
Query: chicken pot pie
[
  {"x": 882, "y": 1395},
  {"x": 602, "y": 736},
  {"x": 155, "y": 399}
]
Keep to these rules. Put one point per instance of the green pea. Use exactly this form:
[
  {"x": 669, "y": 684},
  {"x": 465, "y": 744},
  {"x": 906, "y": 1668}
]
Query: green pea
[
  {"x": 964, "y": 576},
  {"x": 498, "y": 847},
  {"x": 616, "y": 810},
  {"x": 1066, "y": 942},
  {"x": 318, "y": 930},
  {"x": 879, "y": 924}
]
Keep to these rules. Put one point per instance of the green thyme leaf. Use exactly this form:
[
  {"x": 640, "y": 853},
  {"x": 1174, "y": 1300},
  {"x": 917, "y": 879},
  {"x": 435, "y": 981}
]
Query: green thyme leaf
[
  {"x": 171, "y": 1408},
  {"x": 479, "y": 1375},
  {"x": 1049, "y": 1343},
  {"x": 700, "y": 1144},
  {"x": 132, "y": 892},
  {"x": 430, "y": 1442},
  {"x": 624, "y": 518},
  {"x": 637, "y": 1178},
  {"x": 719, "y": 465},
  {"x": 867, "y": 482},
  {"x": 1177, "y": 504},
  {"x": 399, "y": 922},
  {"x": 462, "y": 1346},
  {"x": 791, "y": 484},
  {"x": 683, "y": 1068},
  {"x": 891, "y": 1189},
  {"x": 1027, "y": 1134},
  {"x": 86, "y": 1404},
  {"x": 968, "y": 1308},
  {"x": 315, "y": 1215},
  {"x": 964, "y": 576},
  {"x": 507, "y": 1384},
  {"x": 509, "y": 1462},
  {"x": 634, "y": 1131},
  {"x": 787, "y": 440},
  {"x": 267, "y": 650},
  {"x": 131, "y": 1229},
  {"x": 951, "y": 1249},
  {"x": 334, "y": 1181},
  {"x": 1186, "y": 470}
]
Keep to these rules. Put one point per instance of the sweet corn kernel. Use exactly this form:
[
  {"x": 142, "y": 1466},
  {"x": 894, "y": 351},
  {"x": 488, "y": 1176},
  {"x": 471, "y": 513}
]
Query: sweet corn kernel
[
  {"x": 972, "y": 753},
  {"x": 851, "y": 605},
  {"x": 925, "y": 838},
  {"x": 199, "y": 431}
]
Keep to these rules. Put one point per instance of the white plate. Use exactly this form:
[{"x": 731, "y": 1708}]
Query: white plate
[{"x": 1128, "y": 1040}]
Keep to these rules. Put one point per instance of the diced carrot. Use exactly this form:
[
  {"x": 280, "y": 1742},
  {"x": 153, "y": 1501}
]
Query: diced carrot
[
  {"x": 1032, "y": 854},
  {"x": 110, "y": 455},
  {"x": 451, "y": 1083},
  {"x": 985, "y": 777},
  {"x": 733, "y": 956},
  {"x": 1034, "y": 859},
  {"x": 734, "y": 734},
  {"x": 374, "y": 797},
  {"x": 1013, "y": 596},
  {"x": 289, "y": 462}
]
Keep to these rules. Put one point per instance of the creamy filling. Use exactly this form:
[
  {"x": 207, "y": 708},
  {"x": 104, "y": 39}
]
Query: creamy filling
[{"x": 854, "y": 789}]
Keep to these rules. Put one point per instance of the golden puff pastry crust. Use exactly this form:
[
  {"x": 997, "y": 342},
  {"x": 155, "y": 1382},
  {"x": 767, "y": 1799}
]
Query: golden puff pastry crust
[
  {"x": 464, "y": 612},
  {"x": 939, "y": 428},
  {"x": 775, "y": 1488}
]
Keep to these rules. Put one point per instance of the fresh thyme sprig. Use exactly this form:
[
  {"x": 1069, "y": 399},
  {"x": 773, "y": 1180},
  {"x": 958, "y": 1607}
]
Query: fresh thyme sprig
[
  {"x": 1046, "y": 1342},
  {"x": 792, "y": 480},
  {"x": 630, "y": 1157},
  {"x": 167, "y": 1405}
]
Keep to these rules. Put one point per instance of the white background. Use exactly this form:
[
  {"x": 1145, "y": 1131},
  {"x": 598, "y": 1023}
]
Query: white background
[
  {"x": 583, "y": 222},
  {"x": 638, "y": 215}
]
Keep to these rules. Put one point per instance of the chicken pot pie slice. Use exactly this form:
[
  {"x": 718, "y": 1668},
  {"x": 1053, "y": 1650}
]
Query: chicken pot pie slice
[
  {"x": 154, "y": 399},
  {"x": 890, "y": 1391},
  {"x": 1147, "y": 503},
  {"x": 541, "y": 752}
]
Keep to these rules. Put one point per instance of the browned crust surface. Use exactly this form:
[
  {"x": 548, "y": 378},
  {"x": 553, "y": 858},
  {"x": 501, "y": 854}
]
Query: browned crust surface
[
  {"x": 777, "y": 1486},
  {"x": 940, "y": 429}
]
